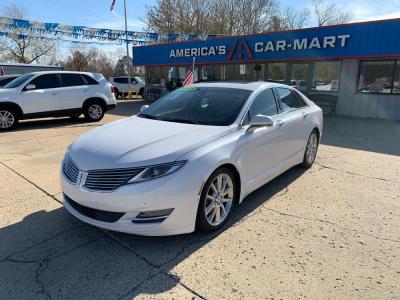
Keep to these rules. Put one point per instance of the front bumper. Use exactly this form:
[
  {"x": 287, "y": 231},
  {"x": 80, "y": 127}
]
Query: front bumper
[{"x": 178, "y": 191}]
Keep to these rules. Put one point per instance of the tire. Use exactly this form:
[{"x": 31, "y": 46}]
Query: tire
[
  {"x": 94, "y": 111},
  {"x": 9, "y": 118},
  {"x": 212, "y": 205},
  {"x": 141, "y": 91},
  {"x": 117, "y": 93},
  {"x": 310, "y": 153}
]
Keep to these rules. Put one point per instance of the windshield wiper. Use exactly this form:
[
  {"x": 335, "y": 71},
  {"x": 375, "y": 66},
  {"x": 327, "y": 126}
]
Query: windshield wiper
[
  {"x": 148, "y": 116},
  {"x": 181, "y": 121}
]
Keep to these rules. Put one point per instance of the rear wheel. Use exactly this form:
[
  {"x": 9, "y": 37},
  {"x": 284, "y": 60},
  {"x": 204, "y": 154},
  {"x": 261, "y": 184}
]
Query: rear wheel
[
  {"x": 94, "y": 111},
  {"x": 217, "y": 200},
  {"x": 311, "y": 150},
  {"x": 8, "y": 119}
]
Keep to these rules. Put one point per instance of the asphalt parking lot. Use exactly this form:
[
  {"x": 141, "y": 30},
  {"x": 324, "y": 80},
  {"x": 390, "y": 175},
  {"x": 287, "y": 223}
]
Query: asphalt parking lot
[{"x": 331, "y": 232}]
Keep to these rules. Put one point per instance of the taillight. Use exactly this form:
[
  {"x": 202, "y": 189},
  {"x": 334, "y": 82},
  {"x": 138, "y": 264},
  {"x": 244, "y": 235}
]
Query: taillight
[{"x": 113, "y": 89}]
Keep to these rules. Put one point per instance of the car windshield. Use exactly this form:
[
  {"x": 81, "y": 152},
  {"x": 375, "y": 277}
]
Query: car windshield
[
  {"x": 18, "y": 81},
  {"x": 199, "y": 105}
]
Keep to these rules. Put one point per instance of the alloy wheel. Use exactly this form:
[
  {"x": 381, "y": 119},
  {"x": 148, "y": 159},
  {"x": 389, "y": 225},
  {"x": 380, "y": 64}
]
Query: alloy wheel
[
  {"x": 6, "y": 119},
  {"x": 95, "y": 111},
  {"x": 311, "y": 149},
  {"x": 219, "y": 199}
]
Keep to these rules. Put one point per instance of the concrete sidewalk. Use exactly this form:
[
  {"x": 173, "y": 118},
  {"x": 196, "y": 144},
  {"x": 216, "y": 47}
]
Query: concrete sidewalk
[{"x": 328, "y": 232}]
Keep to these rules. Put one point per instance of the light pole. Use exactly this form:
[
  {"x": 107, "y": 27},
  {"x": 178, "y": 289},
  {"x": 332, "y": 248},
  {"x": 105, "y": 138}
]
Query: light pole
[{"x": 127, "y": 50}]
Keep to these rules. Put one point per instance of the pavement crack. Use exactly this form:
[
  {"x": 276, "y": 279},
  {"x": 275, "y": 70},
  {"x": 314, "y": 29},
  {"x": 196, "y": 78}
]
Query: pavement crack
[
  {"x": 351, "y": 173},
  {"x": 31, "y": 182},
  {"x": 332, "y": 224},
  {"x": 129, "y": 248}
]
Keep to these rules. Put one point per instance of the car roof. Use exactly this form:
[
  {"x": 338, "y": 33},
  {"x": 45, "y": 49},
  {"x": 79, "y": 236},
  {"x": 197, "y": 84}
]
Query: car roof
[
  {"x": 58, "y": 72},
  {"x": 246, "y": 85}
]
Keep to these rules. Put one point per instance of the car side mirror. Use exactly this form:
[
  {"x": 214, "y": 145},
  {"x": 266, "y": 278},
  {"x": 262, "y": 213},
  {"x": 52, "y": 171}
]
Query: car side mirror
[
  {"x": 261, "y": 121},
  {"x": 143, "y": 108},
  {"x": 30, "y": 87}
]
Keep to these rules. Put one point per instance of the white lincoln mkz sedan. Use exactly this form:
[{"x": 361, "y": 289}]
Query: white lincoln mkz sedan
[{"x": 187, "y": 160}]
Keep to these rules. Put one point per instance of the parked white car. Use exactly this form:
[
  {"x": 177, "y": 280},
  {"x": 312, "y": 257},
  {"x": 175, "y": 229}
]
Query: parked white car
[
  {"x": 55, "y": 94},
  {"x": 189, "y": 158},
  {"x": 121, "y": 84}
]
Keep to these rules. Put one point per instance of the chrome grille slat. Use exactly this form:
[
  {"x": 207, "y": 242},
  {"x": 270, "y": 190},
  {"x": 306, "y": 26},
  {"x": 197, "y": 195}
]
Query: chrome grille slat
[
  {"x": 108, "y": 180},
  {"x": 70, "y": 170}
]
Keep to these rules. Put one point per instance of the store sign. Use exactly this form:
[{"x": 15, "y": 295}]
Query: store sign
[{"x": 350, "y": 40}]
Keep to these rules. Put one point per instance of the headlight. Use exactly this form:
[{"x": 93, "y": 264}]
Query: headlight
[{"x": 154, "y": 172}]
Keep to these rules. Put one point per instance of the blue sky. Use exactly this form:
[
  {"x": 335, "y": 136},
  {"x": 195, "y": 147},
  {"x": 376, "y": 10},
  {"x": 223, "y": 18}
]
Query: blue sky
[{"x": 96, "y": 13}]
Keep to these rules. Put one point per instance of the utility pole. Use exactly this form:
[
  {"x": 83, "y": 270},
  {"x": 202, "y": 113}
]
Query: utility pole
[{"x": 127, "y": 50}]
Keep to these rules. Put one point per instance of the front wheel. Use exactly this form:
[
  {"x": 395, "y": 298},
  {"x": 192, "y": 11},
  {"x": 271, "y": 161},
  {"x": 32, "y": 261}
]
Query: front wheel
[
  {"x": 311, "y": 150},
  {"x": 217, "y": 200},
  {"x": 94, "y": 112},
  {"x": 8, "y": 119}
]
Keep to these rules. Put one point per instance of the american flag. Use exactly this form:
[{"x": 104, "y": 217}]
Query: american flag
[
  {"x": 112, "y": 5},
  {"x": 189, "y": 76}
]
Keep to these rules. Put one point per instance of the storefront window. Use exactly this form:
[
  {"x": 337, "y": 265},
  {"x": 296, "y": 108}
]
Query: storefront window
[
  {"x": 153, "y": 75},
  {"x": 209, "y": 73},
  {"x": 396, "y": 83},
  {"x": 326, "y": 76},
  {"x": 229, "y": 71},
  {"x": 298, "y": 78},
  {"x": 376, "y": 77},
  {"x": 277, "y": 72},
  {"x": 243, "y": 72}
]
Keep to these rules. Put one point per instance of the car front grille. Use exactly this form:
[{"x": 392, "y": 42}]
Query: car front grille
[
  {"x": 70, "y": 170},
  {"x": 111, "y": 179},
  {"x": 100, "y": 215}
]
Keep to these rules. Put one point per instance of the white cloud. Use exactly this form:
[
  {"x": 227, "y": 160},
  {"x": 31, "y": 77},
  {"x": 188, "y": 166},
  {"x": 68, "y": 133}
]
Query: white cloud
[{"x": 118, "y": 22}]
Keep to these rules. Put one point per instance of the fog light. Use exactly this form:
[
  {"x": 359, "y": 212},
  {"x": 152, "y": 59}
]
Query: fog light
[{"x": 155, "y": 213}]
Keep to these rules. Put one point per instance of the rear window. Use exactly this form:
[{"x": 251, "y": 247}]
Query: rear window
[
  {"x": 121, "y": 80},
  {"x": 72, "y": 80},
  {"x": 89, "y": 80}
]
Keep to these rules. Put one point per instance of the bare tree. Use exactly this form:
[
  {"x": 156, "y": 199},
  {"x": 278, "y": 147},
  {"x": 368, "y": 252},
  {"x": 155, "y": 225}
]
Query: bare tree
[
  {"x": 24, "y": 46},
  {"x": 211, "y": 16},
  {"x": 329, "y": 13},
  {"x": 295, "y": 18},
  {"x": 89, "y": 60}
]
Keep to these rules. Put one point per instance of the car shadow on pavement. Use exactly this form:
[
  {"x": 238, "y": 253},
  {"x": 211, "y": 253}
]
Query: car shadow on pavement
[
  {"x": 54, "y": 254},
  {"x": 54, "y": 123}
]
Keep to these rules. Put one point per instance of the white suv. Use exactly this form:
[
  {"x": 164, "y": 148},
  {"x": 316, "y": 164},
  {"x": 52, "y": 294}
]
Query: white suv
[
  {"x": 121, "y": 84},
  {"x": 55, "y": 94}
]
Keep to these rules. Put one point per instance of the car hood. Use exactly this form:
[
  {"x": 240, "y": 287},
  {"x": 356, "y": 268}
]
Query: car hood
[
  {"x": 6, "y": 94},
  {"x": 138, "y": 141}
]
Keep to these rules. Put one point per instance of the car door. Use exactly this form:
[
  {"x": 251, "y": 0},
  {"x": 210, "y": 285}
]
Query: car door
[
  {"x": 41, "y": 94},
  {"x": 74, "y": 91},
  {"x": 293, "y": 122},
  {"x": 263, "y": 153}
]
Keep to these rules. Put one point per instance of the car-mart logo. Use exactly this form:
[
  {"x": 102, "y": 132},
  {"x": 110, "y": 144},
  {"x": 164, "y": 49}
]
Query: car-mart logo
[{"x": 241, "y": 49}]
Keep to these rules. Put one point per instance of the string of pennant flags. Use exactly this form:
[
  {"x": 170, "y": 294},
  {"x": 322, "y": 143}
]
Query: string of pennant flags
[{"x": 60, "y": 31}]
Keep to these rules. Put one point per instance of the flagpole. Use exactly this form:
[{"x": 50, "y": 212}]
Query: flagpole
[
  {"x": 127, "y": 50},
  {"x": 194, "y": 59}
]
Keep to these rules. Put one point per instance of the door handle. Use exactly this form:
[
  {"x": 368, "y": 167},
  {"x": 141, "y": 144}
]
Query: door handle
[
  {"x": 280, "y": 123},
  {"x": 54, "y": 93}
]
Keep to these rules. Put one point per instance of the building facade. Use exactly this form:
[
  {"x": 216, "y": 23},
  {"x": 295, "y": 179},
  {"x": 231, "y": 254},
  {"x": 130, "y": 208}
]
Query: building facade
[{"x": 357, "y": 64}]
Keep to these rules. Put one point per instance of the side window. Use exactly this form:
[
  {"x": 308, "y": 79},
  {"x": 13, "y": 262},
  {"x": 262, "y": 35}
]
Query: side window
[
  {"x": 289, "y": 100},
  {"x": 47, "y": 81},
  {"x": 89, "y": 80},
  {"x": 263, "y": 104},
  {"x": 121, "y": 80},
  {"x": 72, "y": 80}
]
